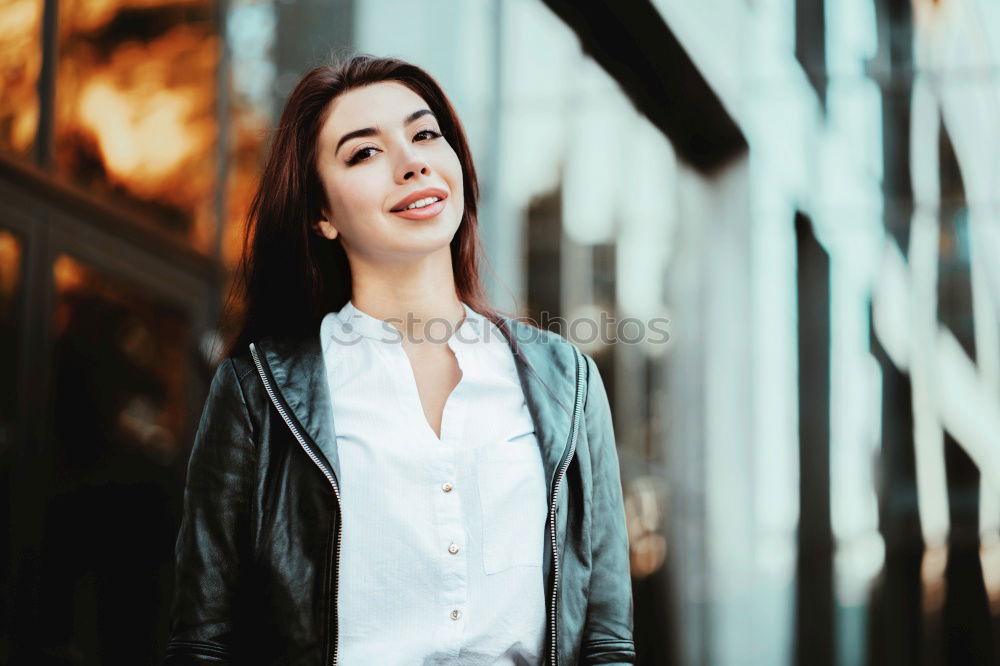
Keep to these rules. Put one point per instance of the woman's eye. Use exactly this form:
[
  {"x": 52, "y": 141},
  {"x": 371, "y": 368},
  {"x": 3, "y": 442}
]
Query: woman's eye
[{"x": 360, "y": 155}]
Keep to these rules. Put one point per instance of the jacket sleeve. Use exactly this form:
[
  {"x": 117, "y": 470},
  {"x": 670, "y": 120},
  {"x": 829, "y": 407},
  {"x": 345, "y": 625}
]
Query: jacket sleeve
[
  {"x": 213, "y": 528},
  {"x": 607, "y": 634}
]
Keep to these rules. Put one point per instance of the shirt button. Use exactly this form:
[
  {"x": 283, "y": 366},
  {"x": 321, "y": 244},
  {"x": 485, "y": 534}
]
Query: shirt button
[
  {"x": 453, "y": 548},
  {"x": 447, "y": 487},
  {"x": 455, "y": 614}
]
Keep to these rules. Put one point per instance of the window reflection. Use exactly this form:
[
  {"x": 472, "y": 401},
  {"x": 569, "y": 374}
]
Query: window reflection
[
  {"x": 20, "y": 64},
  {"x": 119, "y": 418},
  {"x": 125, "y": 352},
  {"x": 135, "y": 107}
]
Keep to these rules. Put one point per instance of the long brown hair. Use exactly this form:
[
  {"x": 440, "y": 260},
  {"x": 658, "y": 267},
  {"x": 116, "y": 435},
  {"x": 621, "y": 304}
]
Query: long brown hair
[{"x": 289, "y": 277}]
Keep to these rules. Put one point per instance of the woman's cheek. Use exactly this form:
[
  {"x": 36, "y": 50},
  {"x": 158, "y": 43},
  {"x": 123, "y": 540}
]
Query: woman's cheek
[{"x": 360, "y": 196}]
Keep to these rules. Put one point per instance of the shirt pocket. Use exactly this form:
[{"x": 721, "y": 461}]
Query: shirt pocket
[{"x": 512, "y": 496}]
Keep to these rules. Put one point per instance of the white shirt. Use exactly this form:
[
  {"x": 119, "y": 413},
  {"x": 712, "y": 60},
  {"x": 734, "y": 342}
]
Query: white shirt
[{"x": 441, "y": 558}]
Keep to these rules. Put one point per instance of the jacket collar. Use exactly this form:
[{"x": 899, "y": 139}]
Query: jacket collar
[{"x": 546, "y": 367}]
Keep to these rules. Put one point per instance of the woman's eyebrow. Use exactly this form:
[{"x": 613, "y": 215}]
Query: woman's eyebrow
[{"x": 372, "y": 131}]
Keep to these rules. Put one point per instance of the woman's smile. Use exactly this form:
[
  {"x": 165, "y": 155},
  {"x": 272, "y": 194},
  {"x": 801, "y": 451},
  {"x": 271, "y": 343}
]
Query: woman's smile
[
  {"x": 421, "y": 204},
  {"x": 422, "y": 212}
]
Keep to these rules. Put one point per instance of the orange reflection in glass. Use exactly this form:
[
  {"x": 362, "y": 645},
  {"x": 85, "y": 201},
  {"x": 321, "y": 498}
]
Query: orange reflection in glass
[
  {"x": 10, "y": 285},
  {"x": 68, "y": 274},
  {"x": 135, "y": 107},
  {"x": 20, "y": 64},
  {"x": 10, "y": 270}
]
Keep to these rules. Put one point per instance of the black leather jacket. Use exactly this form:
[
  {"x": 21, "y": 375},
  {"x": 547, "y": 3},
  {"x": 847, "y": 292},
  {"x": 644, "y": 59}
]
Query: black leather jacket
[{"x": 258, "y": 551}]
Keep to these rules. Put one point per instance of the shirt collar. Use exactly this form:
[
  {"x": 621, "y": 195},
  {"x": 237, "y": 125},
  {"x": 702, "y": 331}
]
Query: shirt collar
[{"x": 351, "y": 322}]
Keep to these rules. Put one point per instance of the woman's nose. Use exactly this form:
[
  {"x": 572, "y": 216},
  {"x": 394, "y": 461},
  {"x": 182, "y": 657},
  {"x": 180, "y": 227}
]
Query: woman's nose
[{"x": 410, "y": 165}]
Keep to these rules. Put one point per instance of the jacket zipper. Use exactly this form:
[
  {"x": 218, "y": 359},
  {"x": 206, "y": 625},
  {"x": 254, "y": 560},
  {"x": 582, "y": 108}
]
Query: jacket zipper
[
  {"x": 555, "y": 497},
  {"x": 574, "y": 430},
  {"x": 329, "y": 477}
]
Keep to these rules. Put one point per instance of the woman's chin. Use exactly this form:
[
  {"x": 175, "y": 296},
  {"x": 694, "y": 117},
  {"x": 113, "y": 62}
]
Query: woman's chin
[{"x": 424, "y": 241}]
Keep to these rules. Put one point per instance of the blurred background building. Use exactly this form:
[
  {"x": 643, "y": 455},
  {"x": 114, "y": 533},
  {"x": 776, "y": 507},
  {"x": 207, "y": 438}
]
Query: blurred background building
[{"x": 805, "y": 189}]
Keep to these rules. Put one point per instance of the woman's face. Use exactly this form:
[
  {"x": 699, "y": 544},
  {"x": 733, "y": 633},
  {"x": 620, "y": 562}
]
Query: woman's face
[{"x": 379, "y": 146}]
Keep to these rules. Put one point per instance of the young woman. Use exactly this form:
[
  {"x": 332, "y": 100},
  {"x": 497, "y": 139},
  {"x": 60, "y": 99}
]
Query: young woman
[{"x": 387, "y": 471}]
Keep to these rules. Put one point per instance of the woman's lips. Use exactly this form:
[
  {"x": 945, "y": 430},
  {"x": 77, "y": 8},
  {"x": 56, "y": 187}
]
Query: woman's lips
[{"x": 422, "y": 213}]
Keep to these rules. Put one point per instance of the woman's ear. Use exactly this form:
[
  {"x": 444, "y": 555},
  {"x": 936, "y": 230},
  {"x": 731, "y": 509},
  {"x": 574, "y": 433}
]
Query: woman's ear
[{"x": 324, "y": 228}]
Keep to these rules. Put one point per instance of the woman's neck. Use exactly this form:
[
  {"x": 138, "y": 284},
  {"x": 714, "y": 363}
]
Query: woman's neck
[{"x": 419, "y": 299}]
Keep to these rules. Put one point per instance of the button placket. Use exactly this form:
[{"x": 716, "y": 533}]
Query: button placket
[{"x": 451, "y": 531}]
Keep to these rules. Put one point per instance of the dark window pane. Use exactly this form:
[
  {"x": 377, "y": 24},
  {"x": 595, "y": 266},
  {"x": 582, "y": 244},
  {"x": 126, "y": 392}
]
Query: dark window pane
[
  {"x": 121, "y": 360},
  {"x": 130, "y": 351},
  {"x": 11, "y": 251}
]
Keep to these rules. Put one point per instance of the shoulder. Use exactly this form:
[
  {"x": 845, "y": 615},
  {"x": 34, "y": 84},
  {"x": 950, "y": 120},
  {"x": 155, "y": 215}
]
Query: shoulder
[
  {"x": 527, "y": 334},
  {"x": 241, "y": 363},
  {"x": 549, "y": 350},
  {"x": 240, "y": 369}
]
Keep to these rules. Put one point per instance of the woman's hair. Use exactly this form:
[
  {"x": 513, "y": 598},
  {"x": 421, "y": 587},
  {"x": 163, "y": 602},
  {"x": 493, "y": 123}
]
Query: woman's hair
[{"x": 289, "y": 277}]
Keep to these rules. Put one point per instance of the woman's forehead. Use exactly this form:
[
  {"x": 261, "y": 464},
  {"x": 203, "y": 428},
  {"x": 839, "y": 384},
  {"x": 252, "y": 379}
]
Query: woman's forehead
[{"x": 382, "y": 104}]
